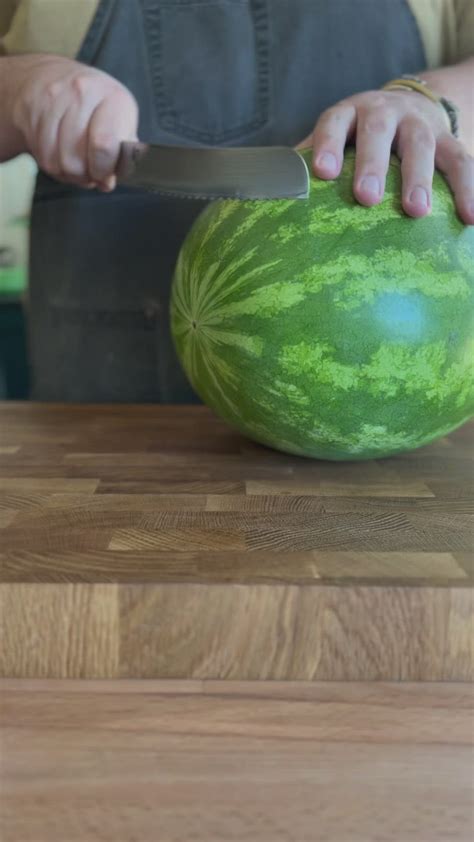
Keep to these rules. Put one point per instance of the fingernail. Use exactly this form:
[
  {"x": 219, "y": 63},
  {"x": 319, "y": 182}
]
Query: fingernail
[
  {"x": 108, "y": 185},
  {"x": 419, "y": 196},
  {"x": 370, "y": 184},
  {"x": 327, "y": 161}
]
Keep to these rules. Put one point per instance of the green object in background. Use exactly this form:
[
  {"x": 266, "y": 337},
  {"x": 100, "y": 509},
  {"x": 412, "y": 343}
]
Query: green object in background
[
  {"x": 14, "y": 370},
  {"x": 328, "y": 329},
  {"x": 16, "y": 185},
  {"x": 12, "y": 280},
  {"x": 14, "y": 373}
]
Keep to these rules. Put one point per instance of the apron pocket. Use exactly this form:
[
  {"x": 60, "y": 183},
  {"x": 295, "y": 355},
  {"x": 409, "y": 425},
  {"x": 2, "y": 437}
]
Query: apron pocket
[{"x": 209, "y": 66}]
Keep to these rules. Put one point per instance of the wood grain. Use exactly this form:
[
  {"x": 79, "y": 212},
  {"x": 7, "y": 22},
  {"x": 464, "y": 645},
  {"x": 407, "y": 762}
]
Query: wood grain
[
  {"x": 296, "y": 633},
  {"x": 156, "y": 542},
  {"x": 222, "y": 761},
  {"x": 55, "y": 631}
]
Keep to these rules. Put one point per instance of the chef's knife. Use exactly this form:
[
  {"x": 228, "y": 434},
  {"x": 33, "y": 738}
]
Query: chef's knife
[{"x": 250, "y": 172}]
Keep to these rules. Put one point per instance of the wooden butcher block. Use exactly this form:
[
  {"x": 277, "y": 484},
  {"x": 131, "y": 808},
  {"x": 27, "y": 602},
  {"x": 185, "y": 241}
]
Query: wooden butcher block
[{"x": 155, "y": 542}]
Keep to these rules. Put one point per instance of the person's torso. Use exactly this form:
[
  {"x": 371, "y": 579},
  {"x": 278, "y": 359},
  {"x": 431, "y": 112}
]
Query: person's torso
[{"x": 204, "y": 72}]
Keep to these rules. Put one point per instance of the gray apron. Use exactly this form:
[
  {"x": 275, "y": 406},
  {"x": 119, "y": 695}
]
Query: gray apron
[{"x": 212, "y": 72}]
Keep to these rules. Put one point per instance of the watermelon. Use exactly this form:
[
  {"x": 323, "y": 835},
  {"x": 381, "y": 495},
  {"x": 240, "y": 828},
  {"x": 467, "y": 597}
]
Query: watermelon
[{"x": 327, "y": 329}]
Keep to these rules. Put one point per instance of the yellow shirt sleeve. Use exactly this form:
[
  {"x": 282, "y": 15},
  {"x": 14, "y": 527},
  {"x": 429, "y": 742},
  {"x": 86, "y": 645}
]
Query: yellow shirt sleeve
[
  {"x": 464, "y": 10},
  {"x": 446, "y": 28},
  {"x": 7, "y": 11},
  {"x": 45, "y": 26}
]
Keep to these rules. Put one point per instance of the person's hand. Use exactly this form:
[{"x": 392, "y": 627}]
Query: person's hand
[
  {"x": 72, "y": 118},
  {"x": 411, "y": 125}
]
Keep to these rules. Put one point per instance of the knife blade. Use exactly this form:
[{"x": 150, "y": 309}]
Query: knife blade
[{"x": 249, "y": 172}]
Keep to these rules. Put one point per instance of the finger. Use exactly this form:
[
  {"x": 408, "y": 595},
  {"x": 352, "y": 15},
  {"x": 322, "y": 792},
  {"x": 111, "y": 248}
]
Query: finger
[
  {"x": 329, "y": 139},
  {"x": 72, "y": 143},
  {"x": 458, "y": 167},
  {"x": 89, "y": 185},
  {"x": 46, "y": 146},
  {"x": 114, "y": 120},
  {"x": 44, "y": 142},
  {"x": 376, "y": 127},
  {"x": 416, "y": 146},
  {"x": 108, "y": 185},
  {"x": 85, "y": 94}
]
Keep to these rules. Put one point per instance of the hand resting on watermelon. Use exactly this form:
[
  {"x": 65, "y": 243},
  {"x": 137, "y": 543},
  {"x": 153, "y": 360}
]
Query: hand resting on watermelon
[{"x": 411, "y": 125}]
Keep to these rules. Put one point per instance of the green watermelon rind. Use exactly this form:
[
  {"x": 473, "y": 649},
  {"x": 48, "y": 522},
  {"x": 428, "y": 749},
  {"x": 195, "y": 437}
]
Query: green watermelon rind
[{"x": 380, "y": 328}]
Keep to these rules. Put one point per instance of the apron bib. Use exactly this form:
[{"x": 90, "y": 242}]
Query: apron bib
[{"x": 204, "y": 72}]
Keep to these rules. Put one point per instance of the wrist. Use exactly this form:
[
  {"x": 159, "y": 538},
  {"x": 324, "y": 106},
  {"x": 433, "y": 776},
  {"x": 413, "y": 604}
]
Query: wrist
[
  {"x": 455, "y": 82},
  {"x": 419, "y": 85}
]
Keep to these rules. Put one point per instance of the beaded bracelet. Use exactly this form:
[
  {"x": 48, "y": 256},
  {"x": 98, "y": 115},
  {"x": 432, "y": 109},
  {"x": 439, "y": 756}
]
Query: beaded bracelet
[{"x": 414, "y": 83}]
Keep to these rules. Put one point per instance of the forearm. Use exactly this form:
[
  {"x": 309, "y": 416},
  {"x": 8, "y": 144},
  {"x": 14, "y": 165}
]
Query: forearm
[
  {"x": 457, "y": 83},
  {"x": 12, "y": 142}
]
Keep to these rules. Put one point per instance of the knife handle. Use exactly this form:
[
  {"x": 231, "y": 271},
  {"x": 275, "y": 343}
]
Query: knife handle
[{"x": 129, "y": 155}]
